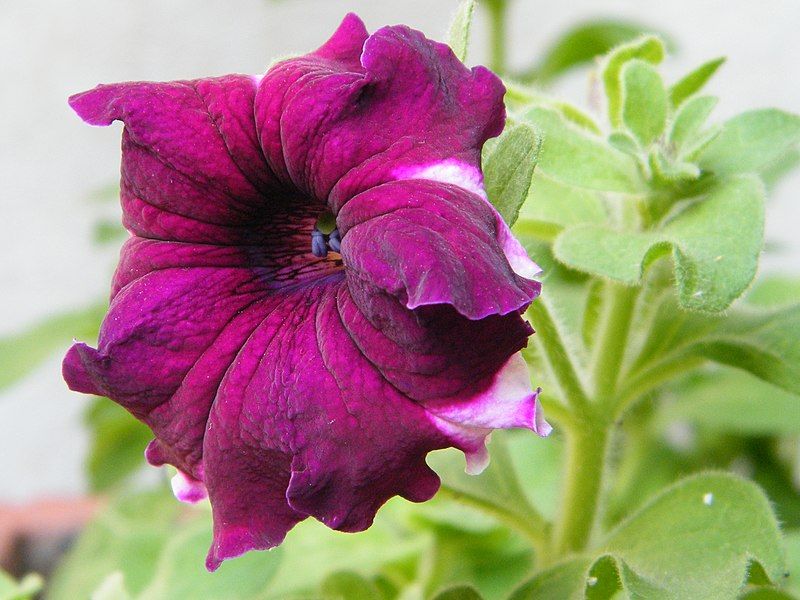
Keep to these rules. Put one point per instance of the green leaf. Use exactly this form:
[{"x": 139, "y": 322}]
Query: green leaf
[
  {"x": 458, "y": 34},
  {"x": 735, "y": 401},
  {"x": 671, "y": 173},
  {"x": 624, "y": 143},
  {"x": 697, "y": 538},
  {"x": 492, "y": 562},
  {"x": 751, "y": 142},
  {"x": 644, "y": 107},
  {"x": 565, "y": 581},
  {"x": 117, "y": 446},
  {"x": 346, "y": 585},
  {"x": 647, "y": 48},
  {"x": 127, "y": 537},
  {"x": 765, "y": 343},
  {"x": 459, "y": 592},
  {"x": 791, "y": 541},
  {"x": 694, "y": 81},
  {"x": 25, "y": 589},
  {"x": 575, "y": 157},
  {"x": 22, "y": 353},
  {"x": 582, "y": 43},
  {"x": 497, "y": 490},
  {"x": 689, "y": 119},
  {"x": 552, "y": 206},
  {"x": 715, "y": 243},
  {"x": 112, "y": 588},
  {"x": 180, "y": 569},
  {"x": 762, "y": 342},
  {"x": 775, "y": 291},
  {"x": 508, "y": 170}
]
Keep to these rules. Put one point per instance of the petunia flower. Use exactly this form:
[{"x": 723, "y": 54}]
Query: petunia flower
[{"x": 287, "y": 370}]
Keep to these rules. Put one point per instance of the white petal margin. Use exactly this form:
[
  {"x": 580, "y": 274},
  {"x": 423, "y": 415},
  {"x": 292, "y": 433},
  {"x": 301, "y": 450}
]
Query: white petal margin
[
  {"x": 449, "y": 171},
  {"x": 469, "y": 178},
  {"x": 508, "y": 402},
  {"x": 187, "y": 489}
]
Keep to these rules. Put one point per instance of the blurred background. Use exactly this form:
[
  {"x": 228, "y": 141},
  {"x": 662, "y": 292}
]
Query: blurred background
[{"x": 56, "y": 173}]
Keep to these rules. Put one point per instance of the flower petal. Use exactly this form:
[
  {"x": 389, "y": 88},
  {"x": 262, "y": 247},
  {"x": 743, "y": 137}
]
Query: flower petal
[
  {"x": 417, "y": 101},
  {"x": 432, "y": 243},
  {"x": 192, "y": 167}
]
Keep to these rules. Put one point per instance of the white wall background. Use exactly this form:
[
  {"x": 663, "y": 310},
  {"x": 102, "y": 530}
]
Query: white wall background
[{"x": 50, "y": 162}]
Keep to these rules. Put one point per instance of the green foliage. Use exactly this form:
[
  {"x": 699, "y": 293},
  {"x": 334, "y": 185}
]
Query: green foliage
[
  {"x": 581, "y": 44},
  {"x": 644, "y": 105},
  {"x": 578, "y": 158},
  {"x": 25, "y": 589},
  {"x": 20, "y": 354},
  {"x": 508, "y": 166},
  {"x": 713, "y": 267},
  {"x": 118, "y": 441},
  {"x": 458, "y": 34},
  {"x": 693, "y": 82},
  {"x": 751, "y": 142},
  {"x": 647, "y": 48}
]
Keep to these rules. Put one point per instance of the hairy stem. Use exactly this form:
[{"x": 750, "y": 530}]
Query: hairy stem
[
  {"x": 534, "y": 528},
  {"x": 612, "y": 337},
  {"x": 497, "y": 10},
  {"x": 549, "y": 339},
  {"x": 585, "y": 467}
]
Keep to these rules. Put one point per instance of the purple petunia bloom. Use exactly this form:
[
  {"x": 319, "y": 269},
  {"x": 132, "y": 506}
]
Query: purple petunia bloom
[{"x": 290, "y": 372}]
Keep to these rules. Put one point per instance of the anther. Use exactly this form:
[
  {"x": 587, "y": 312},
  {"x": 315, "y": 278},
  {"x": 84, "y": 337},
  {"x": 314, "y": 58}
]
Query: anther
[
  {"x": 318, "y": 246},
  {"x": 335, "y": 241}
]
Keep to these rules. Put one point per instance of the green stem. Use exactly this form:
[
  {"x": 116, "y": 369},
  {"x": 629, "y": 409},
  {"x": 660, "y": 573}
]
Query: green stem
[
  {"x": 550, "y": 342},
  {"x": 585, "y": 466},
  {"x": 533, "y": 527},
  {"x": 612, "y": 336},
  {"x": 497, "y": 35}
]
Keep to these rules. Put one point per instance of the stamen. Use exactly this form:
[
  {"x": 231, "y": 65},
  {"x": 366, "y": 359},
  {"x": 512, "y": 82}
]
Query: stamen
[
  {"x": 318, "y": 245},
  {"x": 335, "y": 241}
]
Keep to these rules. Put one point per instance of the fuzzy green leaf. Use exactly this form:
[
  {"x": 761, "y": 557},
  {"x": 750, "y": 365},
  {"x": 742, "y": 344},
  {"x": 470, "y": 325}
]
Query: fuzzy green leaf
[
  {"x": 566, "y": 581},
  {"x": 696, "y": 540},
  {"x": 689, "y": 119},
  {"x": 508, "y": 170},
  {"x": 751, "y": 142},
  {"x": 644, "y": 108},
  {"x": 458, "y": 34},
  {"x": 715, "y": 244},
  {"x": 497, "y": 486},
  {"x": 118, "y": 441},
  {"x": 647, "y": 48},
  {"x": 763, "y": 342},
  {"x": 459, "y": 592},
  {"x": 694, "y": 81},
  {"x": 576, "y": 157},
  {"x": 22, "y": 353},
  {"x": 551, "y": 206},
  {"x": 347, "y": 585},
  {"x": 582, "y": 43},
  {"x": 735, "y": 401}
]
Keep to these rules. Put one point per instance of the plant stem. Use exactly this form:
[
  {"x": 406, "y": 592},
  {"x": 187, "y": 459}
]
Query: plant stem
[
  {"x": 612, "y": 337},
  {"x": 553, "y": 350},
  {"x": 534, "y": 527},
  {"x": 585, "y": 467},
  {"x": 497, "y": 35}
]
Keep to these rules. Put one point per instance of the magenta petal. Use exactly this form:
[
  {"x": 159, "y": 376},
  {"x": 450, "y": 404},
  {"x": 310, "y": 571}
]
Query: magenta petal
[
  {"x": 432, "y": 243},
  {"x": 418, "y": 102}
]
